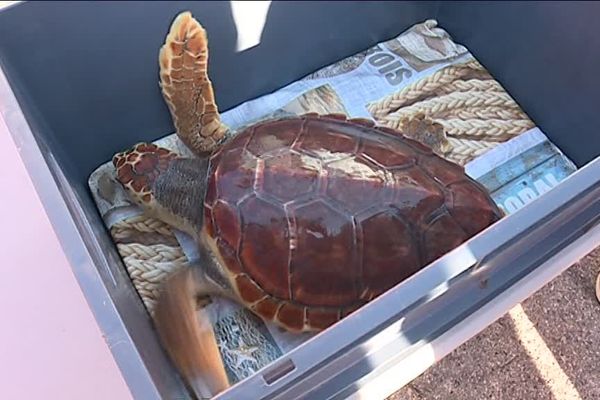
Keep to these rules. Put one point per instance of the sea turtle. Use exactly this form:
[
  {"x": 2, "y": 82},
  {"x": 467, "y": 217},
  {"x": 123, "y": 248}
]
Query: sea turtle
[{"x": 300, "y": 219}]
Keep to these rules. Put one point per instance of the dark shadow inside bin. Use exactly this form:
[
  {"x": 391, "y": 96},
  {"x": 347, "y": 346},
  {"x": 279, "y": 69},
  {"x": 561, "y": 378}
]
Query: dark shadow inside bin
[{"x": 86, "y": 74}]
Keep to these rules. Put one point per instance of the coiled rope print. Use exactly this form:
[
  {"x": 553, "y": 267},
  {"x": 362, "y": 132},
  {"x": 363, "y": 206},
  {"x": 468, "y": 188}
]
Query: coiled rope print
[{"x": 475, "y": 111}]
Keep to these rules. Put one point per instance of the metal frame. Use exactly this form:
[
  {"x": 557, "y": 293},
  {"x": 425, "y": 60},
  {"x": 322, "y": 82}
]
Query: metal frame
[{"x": 496, "y": 269}]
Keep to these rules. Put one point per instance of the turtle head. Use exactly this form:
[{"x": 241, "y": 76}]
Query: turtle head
[
  {"x": 166, "y": 185},
  {"x": 139, "y": 167}
]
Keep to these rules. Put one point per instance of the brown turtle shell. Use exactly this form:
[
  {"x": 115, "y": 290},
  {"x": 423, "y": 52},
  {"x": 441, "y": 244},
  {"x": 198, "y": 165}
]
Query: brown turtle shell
[{"x": 314, "y": 216}]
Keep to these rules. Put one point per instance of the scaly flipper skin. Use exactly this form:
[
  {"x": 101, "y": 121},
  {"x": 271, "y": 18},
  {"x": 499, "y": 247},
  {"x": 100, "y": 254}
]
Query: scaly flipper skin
[{"x": 186, "y": 87}]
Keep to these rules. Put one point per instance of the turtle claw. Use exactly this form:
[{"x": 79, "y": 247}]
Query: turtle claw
[{"x": 428, "y": 132}]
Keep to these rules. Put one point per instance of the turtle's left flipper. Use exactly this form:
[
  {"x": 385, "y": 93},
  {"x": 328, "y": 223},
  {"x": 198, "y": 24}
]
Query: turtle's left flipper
[
  {"x": 187, "y": 334},
  {"x": 186, "y": 87}
]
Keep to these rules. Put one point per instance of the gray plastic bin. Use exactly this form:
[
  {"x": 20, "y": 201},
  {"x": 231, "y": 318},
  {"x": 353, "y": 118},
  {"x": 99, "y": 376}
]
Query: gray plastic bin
[{"x": 78, "y": 83}]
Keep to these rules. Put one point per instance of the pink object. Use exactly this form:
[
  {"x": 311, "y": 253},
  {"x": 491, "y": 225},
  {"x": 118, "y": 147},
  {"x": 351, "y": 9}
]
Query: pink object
[{"x": 50, "y": 344}]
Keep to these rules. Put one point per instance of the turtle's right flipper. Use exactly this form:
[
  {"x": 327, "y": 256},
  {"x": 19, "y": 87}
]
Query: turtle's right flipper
[{"x": 186, "y": 87}]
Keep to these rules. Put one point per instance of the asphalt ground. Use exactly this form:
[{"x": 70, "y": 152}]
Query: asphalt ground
[{"x": 546, "y": 348}]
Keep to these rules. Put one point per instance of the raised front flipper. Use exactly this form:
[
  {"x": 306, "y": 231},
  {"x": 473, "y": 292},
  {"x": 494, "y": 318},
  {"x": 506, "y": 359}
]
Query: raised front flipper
[{"x": 186, "y": 87}]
